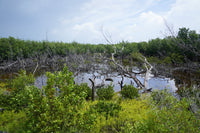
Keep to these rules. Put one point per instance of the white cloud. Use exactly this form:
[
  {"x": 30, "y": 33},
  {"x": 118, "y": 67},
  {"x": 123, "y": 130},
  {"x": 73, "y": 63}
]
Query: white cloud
[
  {"x": 147, "y": 26},
  {"x": 118, "y": 17},
  {"x": 130, "y": 20},
  {"x": 185, "y": 13}
]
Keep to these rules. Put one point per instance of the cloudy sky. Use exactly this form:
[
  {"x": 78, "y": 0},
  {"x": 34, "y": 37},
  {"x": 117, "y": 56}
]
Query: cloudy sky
[{"x": 83, "y": 20}]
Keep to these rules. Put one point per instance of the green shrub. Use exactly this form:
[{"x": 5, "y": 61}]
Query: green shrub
[
  {"x": 86, "y": 89},
  {"x": 57, "y": 111},
  {"x": 106, "y": 108},
  {"x": 173, "y": 117},
  {"x": 167, "y": 60},
  {"x": 105, "y": 93},
  {"x": 192, "y": 95},
  {"x": 21, "y": 80},
  {"x": 17, "y": 96},
  {"x": 177, "y": 58},
  {"x": 153, "y": 59},
  {"x": 132, "y": 110},
  {"x": 13, "y": 122},
  {"x": 163, "y": 98},
  {"x": 130, "y": 92}
]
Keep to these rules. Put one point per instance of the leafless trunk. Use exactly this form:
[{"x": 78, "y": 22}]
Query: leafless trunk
[
  {"x": 121, "y": 82},
  {"x": 96, "y": 86},
  {"x": 132, "y": 74},
  {"x": 93, "y": 88},
  {"x": 148, "y": 67},
  {"x": 128, "y": 73}
]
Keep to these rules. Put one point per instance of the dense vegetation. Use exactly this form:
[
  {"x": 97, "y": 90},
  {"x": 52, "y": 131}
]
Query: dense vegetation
[
  {"x": 61, "y": 106},
  {"x": 183, "y": 47}
]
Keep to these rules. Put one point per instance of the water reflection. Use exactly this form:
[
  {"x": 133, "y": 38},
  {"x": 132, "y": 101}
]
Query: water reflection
[
  {"x": 154, "y": 82},
  {"x": 174, "y": 80}
]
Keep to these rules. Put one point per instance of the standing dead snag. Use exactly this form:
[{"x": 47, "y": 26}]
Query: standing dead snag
[
  {"x": 93, "y": 87},
  {"x": 128, "y": 73},
  {"x": 121, "y": 82},
  {"x": 96, "y": 86},
  {"x": 148, "y": 67},
  {"x": 131, "y": 74}
]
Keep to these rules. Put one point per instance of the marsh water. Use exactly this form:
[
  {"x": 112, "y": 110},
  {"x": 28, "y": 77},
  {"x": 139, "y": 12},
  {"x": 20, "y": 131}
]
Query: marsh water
[
  {"x": 172, "y": 83},
  {"x": 154, "y": 82}
]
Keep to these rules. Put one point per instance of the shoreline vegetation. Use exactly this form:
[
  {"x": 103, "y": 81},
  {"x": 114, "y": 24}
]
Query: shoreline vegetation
[{"x": 63, "y": 106}]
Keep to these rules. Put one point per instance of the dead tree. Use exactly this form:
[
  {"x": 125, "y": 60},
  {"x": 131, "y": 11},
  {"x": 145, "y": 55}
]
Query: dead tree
[
  {"x": 130, "y": 73},
  {"x": 96, "y": 86},
  {"x": 8, "y": 66},
  {"x": 121, "y": 82}
]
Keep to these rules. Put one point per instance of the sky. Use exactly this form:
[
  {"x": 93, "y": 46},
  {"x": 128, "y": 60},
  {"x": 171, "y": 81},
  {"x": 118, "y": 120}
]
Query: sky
[{"x": 85, "y": 21}]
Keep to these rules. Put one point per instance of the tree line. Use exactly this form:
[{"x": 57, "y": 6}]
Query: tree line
[{"x": 180, "y": 48}]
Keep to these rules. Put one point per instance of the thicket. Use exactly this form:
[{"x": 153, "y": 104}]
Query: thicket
[
  {"x": 105, "y": 93},
  {"x": 61, "y": 106},
  {"x": 183, "y": 47},
  {"x": 130, "y": 92}
]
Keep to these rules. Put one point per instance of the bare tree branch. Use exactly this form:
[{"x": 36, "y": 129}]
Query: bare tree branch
[
  {"x": 128, "y": 73},
  {"x": 7, "y": 66},
  {"x": 96, "y": 86},
  {"x": 35, "y": 68},
  {"x": 179, "y": 42},
  {"x": 107, "y": 36}
]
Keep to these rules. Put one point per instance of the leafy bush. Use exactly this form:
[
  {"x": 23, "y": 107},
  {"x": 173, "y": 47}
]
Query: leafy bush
[
  {"x": 21, "y": 81},
  {"x": 13, "y": 122},
  {"x": 105, "y": 93},
  {"x": 172, "y": 117},
  {"x": 132, "y": 110},
  {"x": 84, "y": 88},
  {"x": 106, "y": 108},
  {"x": 177, "y": 58},
  {"x": 163, "y": 98},
  {"x": 57, "y": 110},
  {"x": 130, "y": 92},
  {"x": 192, "y": 95},
  {"x": 167, "y": 60},
  {"x": 17, "y": 96},
  {"x": 61, "y": 107}
]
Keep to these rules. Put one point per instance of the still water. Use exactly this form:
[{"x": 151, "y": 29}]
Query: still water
[
  {"x": 172, "y": 83},
  {"x": 154, "y": 82}
]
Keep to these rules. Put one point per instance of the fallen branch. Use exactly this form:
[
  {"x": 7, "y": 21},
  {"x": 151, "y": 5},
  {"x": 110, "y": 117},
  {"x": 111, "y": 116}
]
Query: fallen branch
[
  {"x": 5, "y": 67},
  {"x": 35, "y": 68}
]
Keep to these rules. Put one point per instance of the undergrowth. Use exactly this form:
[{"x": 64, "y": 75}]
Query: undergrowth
[{"x": 62, "y": 106}]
